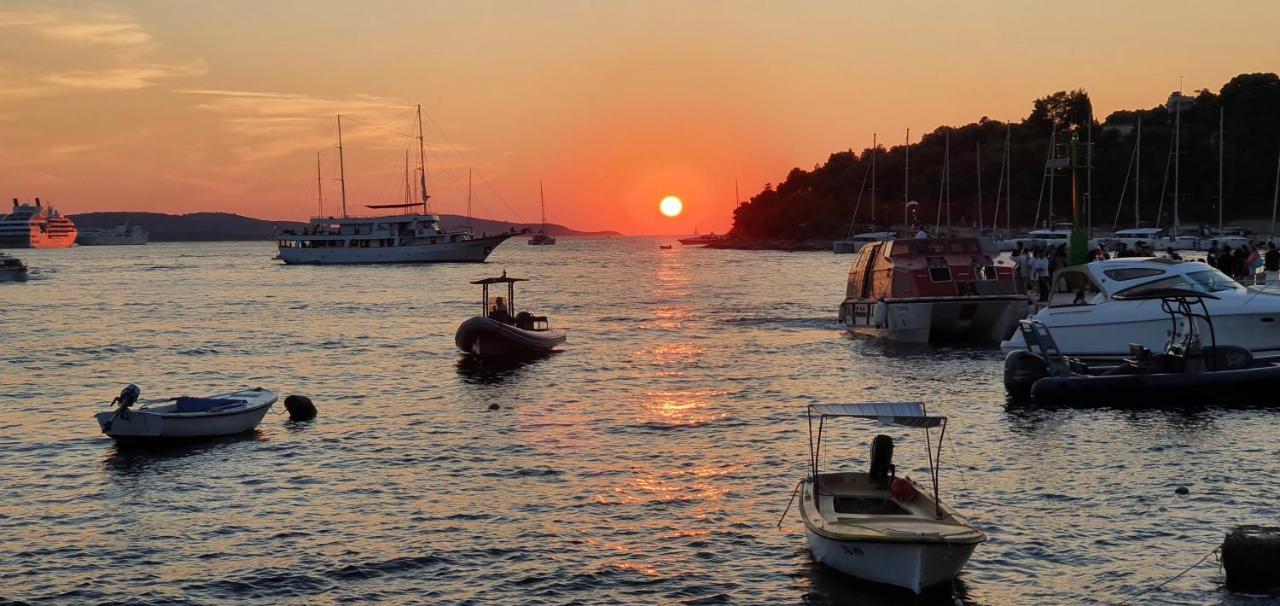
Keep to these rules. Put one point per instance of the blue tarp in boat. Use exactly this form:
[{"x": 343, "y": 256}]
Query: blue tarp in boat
[{"x": 189, "y": 404}]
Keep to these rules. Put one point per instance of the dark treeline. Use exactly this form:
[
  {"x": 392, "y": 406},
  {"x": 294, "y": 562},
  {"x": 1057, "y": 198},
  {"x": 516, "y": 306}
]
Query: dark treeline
[{"x": 819, "y": 203}]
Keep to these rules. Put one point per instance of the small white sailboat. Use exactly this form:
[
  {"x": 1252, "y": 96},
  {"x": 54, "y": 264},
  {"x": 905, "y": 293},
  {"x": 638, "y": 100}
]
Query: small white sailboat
[
  {"x": 876, "y": 526},
  {"x": 184, "y": 416},
  {"x": 542, "y": 238}
]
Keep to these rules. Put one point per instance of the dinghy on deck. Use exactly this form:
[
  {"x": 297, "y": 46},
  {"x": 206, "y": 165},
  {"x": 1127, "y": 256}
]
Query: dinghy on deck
[
  {"x": 876, "y": 526},
  {"x": 184, "y": 416},
  {"x": 502, "y": 332}
]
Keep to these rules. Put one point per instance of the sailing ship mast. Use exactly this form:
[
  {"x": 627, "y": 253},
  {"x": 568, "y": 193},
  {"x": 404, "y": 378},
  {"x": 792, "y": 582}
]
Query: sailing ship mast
[
  {"x": 342, "y": 175},
  {"x": 542, "y": 198},
  {"x": 319, "y": 189},
  {"x": 422, "y": 165}
]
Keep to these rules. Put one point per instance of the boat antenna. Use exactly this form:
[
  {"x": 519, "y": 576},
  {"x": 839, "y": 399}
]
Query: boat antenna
[
  {"x": 319, "y": 189},
  {"x": 422, "y": 164},
  {"x": 342, "y": 175}
]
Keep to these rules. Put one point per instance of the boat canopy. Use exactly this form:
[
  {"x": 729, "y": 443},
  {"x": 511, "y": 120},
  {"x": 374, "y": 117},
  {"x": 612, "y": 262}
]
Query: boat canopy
[
  {"x": 905, "y": 414},
  {"x": 500, "y": 280}
]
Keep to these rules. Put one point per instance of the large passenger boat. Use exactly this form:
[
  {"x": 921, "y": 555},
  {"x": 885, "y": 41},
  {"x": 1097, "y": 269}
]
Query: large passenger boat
[
  {"x": 125, "y": 234},
  {"x": 933, "y": 289},
  {"x": 413, "y": 237},
  {"x": 36, "y": 226}
]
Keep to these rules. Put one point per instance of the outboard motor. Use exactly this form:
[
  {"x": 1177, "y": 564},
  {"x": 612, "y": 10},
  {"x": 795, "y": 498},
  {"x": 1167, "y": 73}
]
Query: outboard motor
[
  {"x": 1021, "y": 370},
  {"x": 128, "y": 397},
  {"x": 882, "y": 467}
]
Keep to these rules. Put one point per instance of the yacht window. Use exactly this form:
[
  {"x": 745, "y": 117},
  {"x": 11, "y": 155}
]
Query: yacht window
[
  {"x": 1132, "y": 273},
  {"x": 1074, "y": 288},
  {"x": 939, "y": 271},
  {"x": 984, "y": 268},
  {"x": 1205, "y": 280}
]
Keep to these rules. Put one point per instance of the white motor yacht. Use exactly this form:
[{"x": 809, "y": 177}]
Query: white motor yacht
[
  {"x": 875, "y": 525},
  {"x": 12, "y": 269},
  {"x": 1088, "y": 320}
]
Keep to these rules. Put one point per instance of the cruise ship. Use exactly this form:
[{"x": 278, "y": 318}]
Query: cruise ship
[
  {"x": 413, "y": 237},
  {"x": 36, "y": 226},
  {"x": 125, "y": 234}
]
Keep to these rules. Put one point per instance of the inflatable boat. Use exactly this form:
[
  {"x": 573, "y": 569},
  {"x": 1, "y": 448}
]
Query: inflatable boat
[
  {"x": 1186, "y": 373},
  {"x": 504, "y": 333}
]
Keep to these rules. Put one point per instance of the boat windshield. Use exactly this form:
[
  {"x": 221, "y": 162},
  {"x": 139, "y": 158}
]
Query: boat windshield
[{"x": 1205, "y": 280}]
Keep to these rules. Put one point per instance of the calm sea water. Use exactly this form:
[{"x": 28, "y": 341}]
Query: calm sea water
[{"x": 646, "y": 463}]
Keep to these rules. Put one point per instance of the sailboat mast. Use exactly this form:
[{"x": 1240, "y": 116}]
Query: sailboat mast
[
  {"x": 875, "y": 145},
  {"x": 468, "y": 196},
  {"x": 978, "y": 160},
  {"x": 1222, "y": 150},
  {"x": 1137, "y": 175},
  {"x": 1008, "y": 180},
  {"x": 543, "y": 200},
  {"x": 422, "y": 165},
  {"x": 342, "y": 174},
  {"x": 408, "y": 192},
  {"x": 906, "y": 184},
  {"x": 319, "y": 189},
  {"x": 1275, "y": 198},
  {"x": 1177, "y": 153},
  {"x": 1088, "y": 179}
]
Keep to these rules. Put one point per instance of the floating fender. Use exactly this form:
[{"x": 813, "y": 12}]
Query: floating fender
[
  {"x": 300, "y": 408},
  {"x": 1021, "y": 370},
  {"x": 1251, "y": 556}
]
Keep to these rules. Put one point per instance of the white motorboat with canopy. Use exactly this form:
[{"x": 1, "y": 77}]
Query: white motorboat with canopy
[
  {"x": 221, "y": 414},
  {"x": 1094, "y": 312},
  {"x": 874, "y": 525}
]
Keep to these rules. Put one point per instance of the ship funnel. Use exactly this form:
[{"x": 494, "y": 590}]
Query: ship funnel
[
  {"x": 37, "y": 202},
  {"x": 15, "y": 203}
]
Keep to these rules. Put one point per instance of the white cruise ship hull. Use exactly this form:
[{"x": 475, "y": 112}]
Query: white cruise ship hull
[{"x": 465, "y": 251}]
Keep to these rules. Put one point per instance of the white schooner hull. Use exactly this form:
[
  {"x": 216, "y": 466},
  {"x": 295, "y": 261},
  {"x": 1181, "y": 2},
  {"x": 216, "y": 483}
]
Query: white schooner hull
[{"x": 466, "y": 251}]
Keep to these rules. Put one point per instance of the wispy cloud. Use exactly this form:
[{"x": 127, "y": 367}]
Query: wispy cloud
[{"x": 75, "y": 50}]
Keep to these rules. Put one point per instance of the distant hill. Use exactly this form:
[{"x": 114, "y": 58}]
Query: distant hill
[{"x": 207, "y": 227}]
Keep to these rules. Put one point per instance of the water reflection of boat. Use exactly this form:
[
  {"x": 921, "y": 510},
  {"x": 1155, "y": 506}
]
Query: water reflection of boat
[
  {"x": 876, "y": 526},
  {"x": 186, "y": 417},
  {"x": 502, "y": 332}
]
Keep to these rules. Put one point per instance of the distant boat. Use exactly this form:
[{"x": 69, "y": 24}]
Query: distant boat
[
  {"x": 406, "y": 238},
  {"x": 542, "y": 238},
  {"x": 36, "y": 226},
  {"x": 665, "y": 246},
  {"x": 703, "y": 239},
  {"x": 124, "y": 234},
  {"x": 12, "y": 269}
]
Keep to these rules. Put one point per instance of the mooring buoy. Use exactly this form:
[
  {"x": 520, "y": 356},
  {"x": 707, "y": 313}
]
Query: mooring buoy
[
  {"x": 1251, "y": 557},
  {"x": 300, "y": 408}
]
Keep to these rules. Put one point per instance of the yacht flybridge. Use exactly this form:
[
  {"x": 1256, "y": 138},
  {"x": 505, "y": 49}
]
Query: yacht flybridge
[{"x": 412, "y": 237}]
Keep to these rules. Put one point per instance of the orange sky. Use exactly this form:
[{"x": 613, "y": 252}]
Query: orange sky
[{"x": 184, "y": 106}]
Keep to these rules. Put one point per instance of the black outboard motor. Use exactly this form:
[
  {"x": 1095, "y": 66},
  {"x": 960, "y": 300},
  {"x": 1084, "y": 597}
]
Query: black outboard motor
[
  {"x": 128, "y": 397},
  {"x": 1021, "y": 370},
  {"x": 882, "y": 468}
]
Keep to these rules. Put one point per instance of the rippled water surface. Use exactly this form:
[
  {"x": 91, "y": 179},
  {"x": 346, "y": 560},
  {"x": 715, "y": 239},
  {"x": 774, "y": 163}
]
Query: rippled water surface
[{"x": 648, "y": 462}]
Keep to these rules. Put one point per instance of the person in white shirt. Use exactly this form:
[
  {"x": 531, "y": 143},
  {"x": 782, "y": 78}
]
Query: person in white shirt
[{"x": 1040, "y": 275}]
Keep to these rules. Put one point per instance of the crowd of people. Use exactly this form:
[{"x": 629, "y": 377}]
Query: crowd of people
[{"x": 1036, "y": 265}]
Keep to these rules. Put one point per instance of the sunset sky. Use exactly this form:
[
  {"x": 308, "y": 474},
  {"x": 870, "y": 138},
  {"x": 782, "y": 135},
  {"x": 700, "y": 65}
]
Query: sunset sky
[{"x": 182, "y": 106}]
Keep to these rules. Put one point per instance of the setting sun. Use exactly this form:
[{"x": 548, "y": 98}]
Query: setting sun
[{"x": 671, "y": 206}]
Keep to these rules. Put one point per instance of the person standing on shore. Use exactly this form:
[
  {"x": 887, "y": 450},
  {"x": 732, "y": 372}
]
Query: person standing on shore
[{"x": 1040, "y": 274}]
